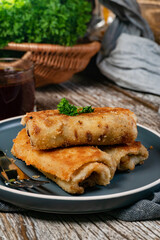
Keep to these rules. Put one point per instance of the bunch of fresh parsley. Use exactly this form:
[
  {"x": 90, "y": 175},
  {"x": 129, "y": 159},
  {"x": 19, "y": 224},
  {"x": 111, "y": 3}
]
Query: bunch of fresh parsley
[
  {"x": 66, "y": 108},
  {"x": 43, "y": 21}
]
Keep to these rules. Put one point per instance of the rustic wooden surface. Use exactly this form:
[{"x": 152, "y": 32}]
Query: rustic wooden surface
[
  {"x": 87, "y": 88},
  {"x": 151, "y": 12}
]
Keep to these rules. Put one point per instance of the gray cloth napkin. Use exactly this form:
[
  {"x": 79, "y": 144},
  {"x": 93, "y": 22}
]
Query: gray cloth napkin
[
  {"x": 7, "y": 207},
  {"x": 134, "y": 64},
  {"x": 129, "y": 56},
  {"x": 146, "y": 209}
]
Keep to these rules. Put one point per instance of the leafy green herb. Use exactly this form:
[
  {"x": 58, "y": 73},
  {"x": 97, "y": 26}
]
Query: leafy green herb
[
  {"x": 66, "y": 108},
  {"x": 12, "y": 180},
  {"x": 43, "y": 21},
  {"x": 87, "y": 109}
]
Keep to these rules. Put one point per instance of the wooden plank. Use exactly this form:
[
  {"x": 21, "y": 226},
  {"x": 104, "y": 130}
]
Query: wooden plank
[
  {"x": 151, "y": 12},
  {"x": 38, "y": 226}
]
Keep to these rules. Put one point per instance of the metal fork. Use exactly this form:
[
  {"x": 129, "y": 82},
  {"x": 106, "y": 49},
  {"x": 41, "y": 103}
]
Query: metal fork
[{"x": 14, "y": 177}]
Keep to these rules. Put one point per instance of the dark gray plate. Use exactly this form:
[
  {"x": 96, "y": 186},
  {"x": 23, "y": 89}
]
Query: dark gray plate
[{"x": 125, "y": 188}]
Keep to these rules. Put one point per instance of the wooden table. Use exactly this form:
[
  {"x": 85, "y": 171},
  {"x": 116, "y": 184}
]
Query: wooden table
[{"x": 89, "y": 88}]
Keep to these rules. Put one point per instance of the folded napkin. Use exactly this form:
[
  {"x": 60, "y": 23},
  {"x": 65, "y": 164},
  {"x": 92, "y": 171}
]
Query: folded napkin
[
  {"x": 7, "y": 207},
  {"x": 129, "y": 56},
  {"x": 146, "y": 209},
  {"x": 134, "y": 64}
]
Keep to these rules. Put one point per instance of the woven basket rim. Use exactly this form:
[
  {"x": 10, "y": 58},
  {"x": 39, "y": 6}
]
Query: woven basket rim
[
  {"x": 56, "y": 63},
  {"x": 36, "y": 47}
]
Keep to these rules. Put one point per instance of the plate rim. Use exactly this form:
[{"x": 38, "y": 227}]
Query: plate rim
[{"x": 81, "y": 198}]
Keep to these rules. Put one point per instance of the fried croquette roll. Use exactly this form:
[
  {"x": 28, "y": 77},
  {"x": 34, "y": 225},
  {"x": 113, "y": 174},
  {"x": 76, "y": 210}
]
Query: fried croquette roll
[
  {"x": 105, "y": 126},
  {"x": 127, "y": 156},
  {"x": 76, "y": 168},
  {"x": 71, "y": 168}
]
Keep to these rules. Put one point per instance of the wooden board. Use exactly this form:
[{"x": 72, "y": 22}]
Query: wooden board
[{"x": 151, "y": 12}]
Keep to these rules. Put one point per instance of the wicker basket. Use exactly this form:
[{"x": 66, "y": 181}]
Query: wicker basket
[{"x": 55, "y": 63}]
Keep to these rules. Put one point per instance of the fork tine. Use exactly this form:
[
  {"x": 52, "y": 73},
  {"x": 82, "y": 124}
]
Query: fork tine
[
  {"x": 40, "y": 189},
  {"x": 25, "y": 184},
  {"x": 34, "y": 181}
]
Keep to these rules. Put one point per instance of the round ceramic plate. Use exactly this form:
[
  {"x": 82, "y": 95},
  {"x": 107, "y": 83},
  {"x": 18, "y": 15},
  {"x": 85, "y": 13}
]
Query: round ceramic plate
[{"x": 124, "y": 189}]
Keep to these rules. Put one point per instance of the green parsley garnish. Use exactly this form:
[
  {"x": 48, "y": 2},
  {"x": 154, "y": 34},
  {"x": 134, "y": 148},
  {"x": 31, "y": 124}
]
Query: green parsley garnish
[
  {"x": 12, "y": 180},
  {"x": 66, "y": 108},
  {"x": 61, "y": 22}
]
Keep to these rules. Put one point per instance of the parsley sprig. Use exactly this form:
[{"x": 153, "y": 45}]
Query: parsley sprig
[{"x": 66, "y": 108}]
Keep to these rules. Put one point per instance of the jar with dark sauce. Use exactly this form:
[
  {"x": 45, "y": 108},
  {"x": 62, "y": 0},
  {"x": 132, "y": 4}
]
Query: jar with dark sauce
[{"x": 17, "y": 87}]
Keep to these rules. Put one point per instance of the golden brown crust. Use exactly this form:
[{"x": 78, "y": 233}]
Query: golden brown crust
[
  {"x": 105, "y": 126},
  {"x": 71, "y": 168},
  {"x": 62, "y": 162}
]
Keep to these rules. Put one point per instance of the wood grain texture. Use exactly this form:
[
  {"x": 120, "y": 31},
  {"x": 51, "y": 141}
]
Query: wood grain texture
[
  {"x": 38, "y": 226},
  {"x": 95, "y": 90},
  {"x": 151, "y": 12}
]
